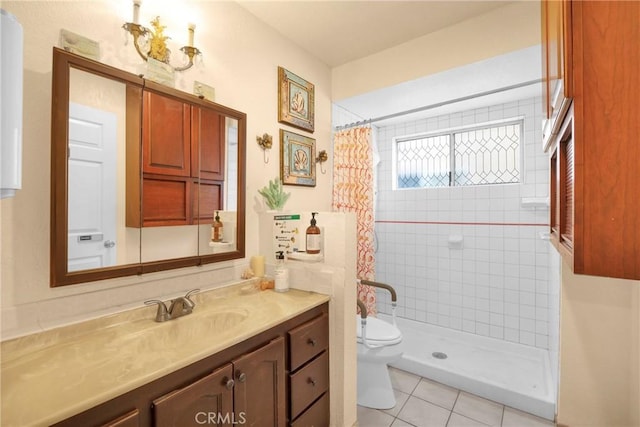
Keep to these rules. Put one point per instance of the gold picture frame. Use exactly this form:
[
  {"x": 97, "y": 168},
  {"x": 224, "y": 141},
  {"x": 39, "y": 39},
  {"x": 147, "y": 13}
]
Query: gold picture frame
[
  {"x": 297, "y": 159},
  {"x": 296, "y": 99}
]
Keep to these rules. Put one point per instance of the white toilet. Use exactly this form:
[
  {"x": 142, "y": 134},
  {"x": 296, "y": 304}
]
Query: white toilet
[{"x": 378, "y": 345}]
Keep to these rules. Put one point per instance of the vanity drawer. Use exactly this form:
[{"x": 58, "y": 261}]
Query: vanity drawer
[
  {"x": 316, "y": 416},
  {"x": 308, "y": 340},
  {"x": 309, "y": 383}
]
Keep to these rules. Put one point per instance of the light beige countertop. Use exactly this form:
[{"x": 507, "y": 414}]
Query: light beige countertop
[{"x": 52, "y": 375}]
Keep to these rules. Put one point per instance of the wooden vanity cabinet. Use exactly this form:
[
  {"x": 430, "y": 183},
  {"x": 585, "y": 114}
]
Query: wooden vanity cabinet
[
  {"x": 259, "y": 392},
  {"x": 594, "y": 190},
  {"x": 183, "y": 158},
  {"x": 246, "y": 384},
  {"x": 249, "y": 390},
  {"x": 208, "y": 398},
  {"x": 309, "y": 373}
]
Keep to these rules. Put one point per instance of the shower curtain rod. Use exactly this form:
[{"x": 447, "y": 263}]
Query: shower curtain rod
[{"x": 438, "y": 104}]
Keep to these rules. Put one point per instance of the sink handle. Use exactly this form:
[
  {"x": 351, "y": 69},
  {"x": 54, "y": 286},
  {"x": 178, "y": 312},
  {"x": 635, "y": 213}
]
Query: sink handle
[
  {"x": 162, "y": 314},
  {"x": 190, "y": 301}
]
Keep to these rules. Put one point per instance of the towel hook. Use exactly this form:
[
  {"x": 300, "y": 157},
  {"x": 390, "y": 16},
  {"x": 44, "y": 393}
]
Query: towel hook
[
  {"x": 265, "y": 142},
  {"x": 322, "y": 157}
]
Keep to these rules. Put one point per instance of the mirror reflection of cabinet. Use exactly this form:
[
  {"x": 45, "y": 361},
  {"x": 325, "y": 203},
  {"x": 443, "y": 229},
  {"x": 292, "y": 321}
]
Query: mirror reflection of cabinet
[
  {"x": 138, "y": 172},
  {"x": 183, "y": 157}
]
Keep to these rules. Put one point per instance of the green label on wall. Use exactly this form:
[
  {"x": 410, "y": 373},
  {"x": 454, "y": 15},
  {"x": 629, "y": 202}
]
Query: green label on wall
[{"x": 285, "y": 217}]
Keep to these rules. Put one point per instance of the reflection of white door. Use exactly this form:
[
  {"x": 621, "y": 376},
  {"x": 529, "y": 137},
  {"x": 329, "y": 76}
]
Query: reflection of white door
[{"x": 92, "y": 188}]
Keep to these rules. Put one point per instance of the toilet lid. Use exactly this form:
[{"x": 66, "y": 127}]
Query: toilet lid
[{"x": 378, "y": 331}]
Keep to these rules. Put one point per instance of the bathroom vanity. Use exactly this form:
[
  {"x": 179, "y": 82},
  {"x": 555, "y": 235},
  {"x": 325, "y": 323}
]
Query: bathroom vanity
[{"x": 242, "y": 356}]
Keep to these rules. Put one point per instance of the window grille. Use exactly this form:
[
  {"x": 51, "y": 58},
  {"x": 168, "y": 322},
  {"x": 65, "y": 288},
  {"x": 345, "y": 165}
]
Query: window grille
[{"x": 483, "y": 154}]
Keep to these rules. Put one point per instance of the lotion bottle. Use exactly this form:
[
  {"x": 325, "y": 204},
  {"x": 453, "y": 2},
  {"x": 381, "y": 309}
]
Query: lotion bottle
[
  {"x": 216, "y": 229},
  {"x": 281, "y": 274},
  {"x": 313, "y": 236}
]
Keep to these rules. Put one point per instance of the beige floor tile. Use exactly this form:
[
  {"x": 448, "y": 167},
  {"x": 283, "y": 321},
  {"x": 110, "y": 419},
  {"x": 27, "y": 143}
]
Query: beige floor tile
[
  {"x": 399, "y": 423},
  {"x": 439, "y": 394},
  {"x": 514, "y": 418},
  {"x": 401, "y": 399},
  {"x": 421, "y": 413},
  {"x": 368, "y": 417},
  {"x": 479, "y": 409},
  {"x": 403, "y": 381},
  {"x": 457, "y": 420}
]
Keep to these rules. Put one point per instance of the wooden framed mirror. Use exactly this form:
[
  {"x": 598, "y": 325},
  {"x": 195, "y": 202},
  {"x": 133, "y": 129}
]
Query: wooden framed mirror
[{"x": 138, "y": 173}]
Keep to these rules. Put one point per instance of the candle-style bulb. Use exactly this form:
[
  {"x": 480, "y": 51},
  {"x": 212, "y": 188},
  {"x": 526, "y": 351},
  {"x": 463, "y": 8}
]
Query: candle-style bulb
[
  {"x": 136, "y": 11},
  {"x": 192, "y": 30}
]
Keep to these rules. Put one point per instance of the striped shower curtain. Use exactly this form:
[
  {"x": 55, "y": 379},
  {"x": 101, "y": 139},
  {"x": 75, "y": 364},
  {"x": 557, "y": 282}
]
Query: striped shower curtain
[{"x": 353, "y": 192}]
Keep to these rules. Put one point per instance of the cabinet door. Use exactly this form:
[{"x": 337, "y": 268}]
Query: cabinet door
[
  {"x": 552, "y": 49},
  {"x": 207, "y": 144},
  {"x": 562, "y": 189},
  {"x": 259, "y": 394},
  {"x": 166, "y": 135},
  {"x": 556, "y": 66},
  {"x": 207, "y": 199},
  {"x": 208, "y": 401},
  {"x": 165, "y": 201}
]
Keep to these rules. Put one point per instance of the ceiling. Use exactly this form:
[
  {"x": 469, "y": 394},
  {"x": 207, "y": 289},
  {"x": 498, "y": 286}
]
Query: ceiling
[{"x": 340, "y": 31}]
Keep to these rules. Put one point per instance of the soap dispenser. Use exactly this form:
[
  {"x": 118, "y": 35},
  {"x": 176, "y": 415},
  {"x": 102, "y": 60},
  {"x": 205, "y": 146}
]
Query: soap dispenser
[
  {"x": 216, "y": 229},
  {"x": 313, "y": 236},
  {"x": 281, "y": 274}
]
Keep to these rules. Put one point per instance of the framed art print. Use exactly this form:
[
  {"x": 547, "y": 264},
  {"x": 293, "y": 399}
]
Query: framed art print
[
  {"x": 297, "y": 159},
  {"x": 295, "y": 100}
]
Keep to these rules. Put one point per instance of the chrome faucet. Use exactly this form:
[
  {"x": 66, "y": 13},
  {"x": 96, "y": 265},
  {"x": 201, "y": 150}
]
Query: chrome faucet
[{"x": 179, "y": 307}]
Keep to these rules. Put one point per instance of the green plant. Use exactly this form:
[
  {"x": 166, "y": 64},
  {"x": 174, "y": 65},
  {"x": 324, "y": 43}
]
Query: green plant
[{"x": 273, "y": 195}]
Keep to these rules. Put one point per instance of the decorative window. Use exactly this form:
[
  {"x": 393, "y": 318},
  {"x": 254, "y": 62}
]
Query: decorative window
[{"x": 477, "y": 155}]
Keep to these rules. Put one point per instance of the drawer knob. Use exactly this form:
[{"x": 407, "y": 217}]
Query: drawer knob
[
  {"x": 311, "y": 381},
  {"x": 241, "y": 377},
  {"x": 228, "y": 383},
  {"x": 312, "y": 342}
]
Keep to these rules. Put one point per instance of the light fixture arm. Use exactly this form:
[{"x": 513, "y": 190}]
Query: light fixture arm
[
  {"x": 191, "y": 52},
  {"x": 137, "y": 31}
]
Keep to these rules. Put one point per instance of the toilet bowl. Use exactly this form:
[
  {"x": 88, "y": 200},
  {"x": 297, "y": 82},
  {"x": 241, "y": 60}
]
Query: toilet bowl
[{"x": 379, "y": 343}]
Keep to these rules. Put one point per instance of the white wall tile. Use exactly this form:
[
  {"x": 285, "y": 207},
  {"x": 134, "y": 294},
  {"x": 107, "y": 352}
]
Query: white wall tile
[{"x": 499, "y": 284}]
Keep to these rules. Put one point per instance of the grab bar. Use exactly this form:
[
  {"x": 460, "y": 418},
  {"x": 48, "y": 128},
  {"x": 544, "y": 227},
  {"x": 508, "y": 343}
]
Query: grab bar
[
  {"x": 394, "y": 295},
  {"x": 363, "y": 324},
  {"x": 363, "y": 309}
]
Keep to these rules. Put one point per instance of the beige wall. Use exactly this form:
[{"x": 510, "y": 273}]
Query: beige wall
[
  {"x": 511, "y": 27},
  {"x": 599, "y": 358},
  {"x": 240, "y": 60}
]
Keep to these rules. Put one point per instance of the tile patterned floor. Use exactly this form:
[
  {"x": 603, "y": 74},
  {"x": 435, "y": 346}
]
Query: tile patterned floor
[{"x": 425, "y": 403}]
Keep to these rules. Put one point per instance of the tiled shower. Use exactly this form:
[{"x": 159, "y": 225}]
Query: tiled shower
[{"x": 502, "y": 281}]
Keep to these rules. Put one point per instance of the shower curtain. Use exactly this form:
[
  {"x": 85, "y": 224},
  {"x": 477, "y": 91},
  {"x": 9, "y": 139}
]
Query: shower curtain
[{"x": 353, "y": 191}]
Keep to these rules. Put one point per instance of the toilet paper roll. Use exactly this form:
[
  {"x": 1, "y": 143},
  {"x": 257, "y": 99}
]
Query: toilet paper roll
[{"x": 257, "y": 265}]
